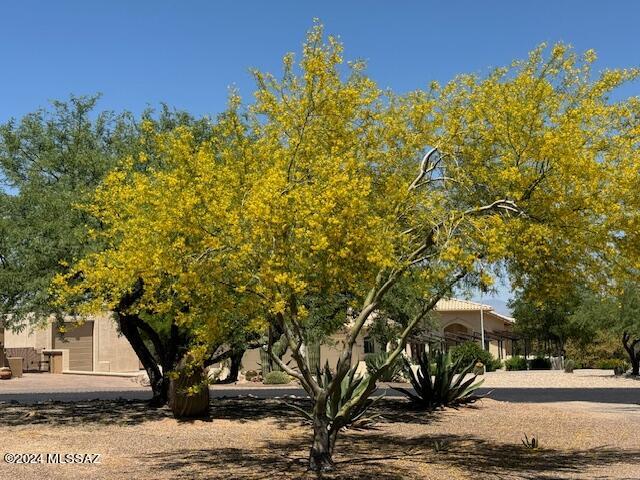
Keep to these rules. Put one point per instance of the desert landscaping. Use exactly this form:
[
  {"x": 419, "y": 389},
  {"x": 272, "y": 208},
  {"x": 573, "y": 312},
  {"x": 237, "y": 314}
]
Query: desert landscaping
[{"x": 254, "y": 438}]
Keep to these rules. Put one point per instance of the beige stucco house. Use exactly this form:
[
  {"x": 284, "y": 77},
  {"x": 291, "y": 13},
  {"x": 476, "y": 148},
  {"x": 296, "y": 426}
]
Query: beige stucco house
[
  {"x": 458, "y": 321},
  {"x": 97, "y": 347},
  {"x": 93, "y": 347}
]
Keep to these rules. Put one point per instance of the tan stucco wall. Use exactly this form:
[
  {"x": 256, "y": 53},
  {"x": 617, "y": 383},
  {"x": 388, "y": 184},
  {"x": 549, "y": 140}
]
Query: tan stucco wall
[
  {"x": 111, "y": 351},
  {"x": 35, "y": 337},
  {"x": 331, "y": 351},
  {"x": 328, "y": 352}
]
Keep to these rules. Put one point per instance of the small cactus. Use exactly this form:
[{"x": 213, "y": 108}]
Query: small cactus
[
  {"x": 440, "y": 446},
  {"x": 479, "y": 368},
  {"x": 569, "y": 365}
]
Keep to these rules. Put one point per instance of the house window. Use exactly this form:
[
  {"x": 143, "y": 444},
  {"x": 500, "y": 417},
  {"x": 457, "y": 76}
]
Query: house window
[{"x": 369, "y": 345}]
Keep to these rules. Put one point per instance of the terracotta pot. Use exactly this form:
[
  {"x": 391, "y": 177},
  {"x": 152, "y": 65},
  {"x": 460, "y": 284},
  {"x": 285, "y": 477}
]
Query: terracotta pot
[{"x": 5, "y": 373}]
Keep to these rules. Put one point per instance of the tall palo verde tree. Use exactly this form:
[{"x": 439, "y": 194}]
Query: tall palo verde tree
[{"x": 358, "y": 187}]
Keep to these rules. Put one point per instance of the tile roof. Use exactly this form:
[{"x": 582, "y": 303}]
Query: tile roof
[{"x": 457, "y": 305}]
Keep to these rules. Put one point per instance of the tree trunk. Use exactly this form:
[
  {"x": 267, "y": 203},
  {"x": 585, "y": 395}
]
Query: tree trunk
[
  {"x": 634, "y": 356},
  {"x": 185, "y": 404},
  {"x": 234, "y": 368},
  {"x": 157, "y": 381},
  {"x": 635, "y": 365},
  {"x": 320, "y": 457}
]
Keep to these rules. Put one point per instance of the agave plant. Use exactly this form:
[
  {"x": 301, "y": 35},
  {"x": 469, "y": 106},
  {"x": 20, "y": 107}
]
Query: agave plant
[
  {"x": 376, "y": 361},
  {"x": 448, "y": 385},
  {"x": 339, "y": 410}
]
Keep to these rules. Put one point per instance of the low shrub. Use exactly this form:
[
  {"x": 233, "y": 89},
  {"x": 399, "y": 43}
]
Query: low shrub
[
  {"x": 540, "y": 363},
  {"x": 276, "y": 378},
  {"x": 375, "y": 361},
  {"x": 249, "y": 375},
  {"x": 515, "y": 363},
  {"x": 472, "y": 352},
  {"x": 569, "y": 365},
  {"x": 612, "y": 364}
]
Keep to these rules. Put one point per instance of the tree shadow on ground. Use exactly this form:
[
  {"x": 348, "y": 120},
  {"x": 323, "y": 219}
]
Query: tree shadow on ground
[
  {"x": 133, "y": 412},
  {"x": 372, "y": 455},
  {"x": 247, "y": 409},
  {"x": 91, "y": 412}
]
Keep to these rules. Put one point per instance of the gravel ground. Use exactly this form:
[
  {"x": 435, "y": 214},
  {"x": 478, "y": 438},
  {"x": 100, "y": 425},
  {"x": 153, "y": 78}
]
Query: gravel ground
[
  {"x": 583, "y": 378},
  {"x": 256, "y": 439}
]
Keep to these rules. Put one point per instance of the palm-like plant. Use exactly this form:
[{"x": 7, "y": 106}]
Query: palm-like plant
[{"x": 448, "y": 385}]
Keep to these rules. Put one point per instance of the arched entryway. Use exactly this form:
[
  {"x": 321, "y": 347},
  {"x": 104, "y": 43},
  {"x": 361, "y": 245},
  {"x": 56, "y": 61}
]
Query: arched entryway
[{"x": 456, "y": 331}]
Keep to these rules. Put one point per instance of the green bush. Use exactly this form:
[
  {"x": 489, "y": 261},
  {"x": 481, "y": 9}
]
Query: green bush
[
  {"x": 472, "y": 352},
  {"x": 540, "y": 363},
  {"x": 612, "y": 364},
  {"x": 276, "y": 378},
  {"x": 515, "y": 363},
  {"x": 375, "y": 361},
  {"x": 606, "y": 345},
  {"x": 250, "y": 374}
]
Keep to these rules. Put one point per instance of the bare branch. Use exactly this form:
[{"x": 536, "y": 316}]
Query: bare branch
[{"x": 425, "y": 168}]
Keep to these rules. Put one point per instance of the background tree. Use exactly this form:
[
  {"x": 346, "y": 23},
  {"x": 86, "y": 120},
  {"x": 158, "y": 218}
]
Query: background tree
[
  {"x": 546, "y": 323},
  {"x": 151, "y": 230},
  {"x": 51, "y": 161},
  {"x": 607, "y": 327}
]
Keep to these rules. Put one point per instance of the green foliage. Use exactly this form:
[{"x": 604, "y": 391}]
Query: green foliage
[
  {"x": 276, "y": 378},
  {"x": 402, "y": 303},
  {"x": 472, "y": 352},
  {"x": 569, "y": 365},
  {"x": 376, "y": 361},
  {"x": 515, "y": 363},
  {"x": 50, "y": 161},
  {"x": 540, "y": 363},
  {"x": 250, "y": 374},
  {"x": 612, "y": 364},
  {"x": 548, "y": 321},
  {"x": 603, "y": 345},
  {"x": 449, "y": 385}
]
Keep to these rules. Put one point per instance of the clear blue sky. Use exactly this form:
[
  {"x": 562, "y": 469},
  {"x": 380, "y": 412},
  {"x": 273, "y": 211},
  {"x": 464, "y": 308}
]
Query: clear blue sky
[{"x": 188, "y": 53}]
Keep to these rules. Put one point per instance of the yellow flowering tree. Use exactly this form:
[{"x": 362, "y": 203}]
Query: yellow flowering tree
[
  {"x": 153, "y": 230},
  {"x": 307, "y": 209},
  {"x": 359, "y": 186}
]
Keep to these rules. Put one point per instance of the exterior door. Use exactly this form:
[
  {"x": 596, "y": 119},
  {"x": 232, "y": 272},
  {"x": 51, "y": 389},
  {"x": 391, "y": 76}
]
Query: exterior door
[{"x": 79, "y": 342}]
